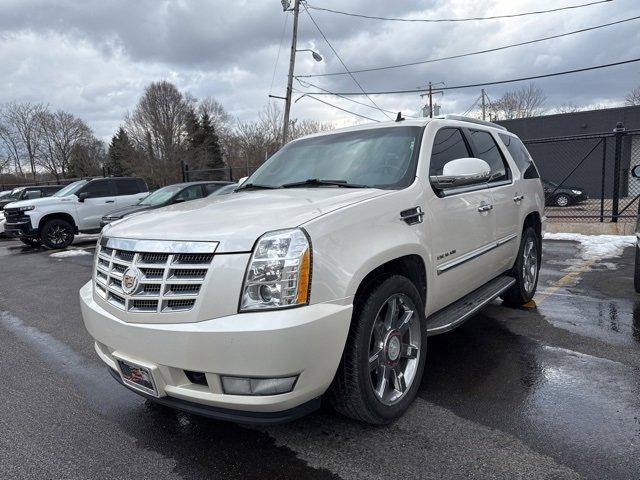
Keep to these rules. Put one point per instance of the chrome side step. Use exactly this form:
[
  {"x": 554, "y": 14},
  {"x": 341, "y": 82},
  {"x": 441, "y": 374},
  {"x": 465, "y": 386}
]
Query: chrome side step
[{"x": 455, "y": 314}]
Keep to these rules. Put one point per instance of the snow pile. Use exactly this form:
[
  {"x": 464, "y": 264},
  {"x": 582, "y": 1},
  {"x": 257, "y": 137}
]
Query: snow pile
[
  {"x": 69, "y": 253},
  {"x": 596, "y": 247}
]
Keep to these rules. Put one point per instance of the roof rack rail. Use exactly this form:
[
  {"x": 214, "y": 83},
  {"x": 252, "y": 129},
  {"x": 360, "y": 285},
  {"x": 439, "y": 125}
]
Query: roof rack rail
[{"x": 473, "y": 120}]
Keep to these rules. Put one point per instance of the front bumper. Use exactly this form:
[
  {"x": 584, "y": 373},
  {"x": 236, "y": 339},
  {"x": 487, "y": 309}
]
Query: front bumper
[
  {"x": 306, "y": 341},
  {"x": 20, "y": 229}
]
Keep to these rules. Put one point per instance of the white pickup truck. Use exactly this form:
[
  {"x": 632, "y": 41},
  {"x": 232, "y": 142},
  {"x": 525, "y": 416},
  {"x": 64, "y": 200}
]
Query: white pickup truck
[
  {"x": 77, "y": 208},
  {"x": 323, "y": 275}
]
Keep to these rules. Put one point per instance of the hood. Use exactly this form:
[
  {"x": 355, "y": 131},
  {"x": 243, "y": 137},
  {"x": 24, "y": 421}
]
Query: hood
[
  {"x": 123, "y": 212},
  {"x": 236, "y": 220},
  {"x": 42, "y": 201}
]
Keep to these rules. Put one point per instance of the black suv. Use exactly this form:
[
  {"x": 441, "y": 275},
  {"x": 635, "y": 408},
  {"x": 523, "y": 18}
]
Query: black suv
[{"x": 28, "y": 193}]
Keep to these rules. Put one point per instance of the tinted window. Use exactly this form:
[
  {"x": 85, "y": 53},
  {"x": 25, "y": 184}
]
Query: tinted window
[
  {"x": 521, "y": 156},
  {"x": 190, "y": 193},
  {"x": 127, "y": 186},
  {"x": 97, "y": 188},
  {"x": 448, "y": 145},
  {"x": 486, "y": 148}
]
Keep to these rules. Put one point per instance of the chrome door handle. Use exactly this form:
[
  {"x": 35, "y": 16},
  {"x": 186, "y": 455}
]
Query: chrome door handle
[
  {"x": 485, "y": 207},
  {"x": 518, "y": 198}
]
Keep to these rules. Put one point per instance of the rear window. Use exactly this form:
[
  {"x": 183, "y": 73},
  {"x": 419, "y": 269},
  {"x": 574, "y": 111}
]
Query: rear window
[
  {"x": 212, "y": 187},
  {"x": 128, "y": 186},
  {"x": 521, "y": 156}
]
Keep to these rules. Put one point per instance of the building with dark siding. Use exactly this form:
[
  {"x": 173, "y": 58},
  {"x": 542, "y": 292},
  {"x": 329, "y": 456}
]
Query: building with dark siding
[{"x": 586, "y": 163}]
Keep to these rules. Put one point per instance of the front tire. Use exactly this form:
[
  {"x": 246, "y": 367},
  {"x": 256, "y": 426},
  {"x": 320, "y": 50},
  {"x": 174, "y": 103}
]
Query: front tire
[
  {"x": 383, "y": 361},
  {"x": 57, "y": 234},
  {"x": 562, "y": 200},
  {"x": 526, "y": 270}
]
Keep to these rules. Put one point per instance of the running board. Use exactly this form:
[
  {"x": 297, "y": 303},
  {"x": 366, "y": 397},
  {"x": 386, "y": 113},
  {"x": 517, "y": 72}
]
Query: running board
[{"x": 450, "y": 317}]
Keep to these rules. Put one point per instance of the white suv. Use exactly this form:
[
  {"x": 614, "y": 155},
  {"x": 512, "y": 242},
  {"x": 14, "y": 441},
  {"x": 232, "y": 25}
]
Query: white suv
[
  {"x": 323, "y": 274},
  {"x": 77, "y": 208}
]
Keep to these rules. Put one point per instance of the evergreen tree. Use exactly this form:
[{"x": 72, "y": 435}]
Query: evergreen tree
[
  {"x": 121, "y": 154},
  {"x": 210, "y": 143}
]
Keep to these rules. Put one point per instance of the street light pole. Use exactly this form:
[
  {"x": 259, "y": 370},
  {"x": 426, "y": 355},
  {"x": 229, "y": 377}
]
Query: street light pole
[{"x": 292, "y": 62}]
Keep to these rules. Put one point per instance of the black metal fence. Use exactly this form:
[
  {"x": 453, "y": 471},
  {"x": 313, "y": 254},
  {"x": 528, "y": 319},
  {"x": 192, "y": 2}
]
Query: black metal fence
[
  {"x": 229, "y": 173},
  {"x": 588, "y": 177}
]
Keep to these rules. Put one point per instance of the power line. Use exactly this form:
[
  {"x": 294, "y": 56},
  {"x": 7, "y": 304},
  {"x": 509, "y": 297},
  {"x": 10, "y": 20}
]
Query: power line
[
  {"x": 437, "y": 20},
  {"x": 478, "y": 52},
  {"x": 306, "y": 95},
  {"x": 484, "y": 84},
  {"x": 309, "y": 84},
  {"x": 343, "y": 64},
  {"x": 471, "y": 107},
  {"x": 275, "y": 66}
]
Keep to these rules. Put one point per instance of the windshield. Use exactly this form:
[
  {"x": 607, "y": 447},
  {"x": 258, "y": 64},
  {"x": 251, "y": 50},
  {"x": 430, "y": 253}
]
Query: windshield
[
  {"x": 70, "y": 189},
  {"x": 380, "y": 157},
  {"x": 160, "y": 196},
  {"x": 15, "y": 193}
]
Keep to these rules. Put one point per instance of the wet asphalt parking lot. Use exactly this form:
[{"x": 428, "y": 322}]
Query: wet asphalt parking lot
[{"x": 547, "y": 392}]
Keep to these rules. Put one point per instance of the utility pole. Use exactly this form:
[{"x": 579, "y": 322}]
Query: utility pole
[
  {"x": 484, "y": 107},
  {"x": 292, "y": 62},
  {"x": 430, "y": 101}
]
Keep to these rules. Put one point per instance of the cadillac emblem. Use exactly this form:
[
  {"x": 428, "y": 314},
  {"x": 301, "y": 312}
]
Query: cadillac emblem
[{"x": 130, "y": 280}]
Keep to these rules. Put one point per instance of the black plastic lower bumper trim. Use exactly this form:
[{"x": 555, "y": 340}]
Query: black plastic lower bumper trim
[{"x": 236, "y": 416}]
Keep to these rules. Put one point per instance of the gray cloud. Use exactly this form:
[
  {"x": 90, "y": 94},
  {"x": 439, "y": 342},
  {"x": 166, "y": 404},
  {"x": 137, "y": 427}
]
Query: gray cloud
[{"x": 94, "y": 57}]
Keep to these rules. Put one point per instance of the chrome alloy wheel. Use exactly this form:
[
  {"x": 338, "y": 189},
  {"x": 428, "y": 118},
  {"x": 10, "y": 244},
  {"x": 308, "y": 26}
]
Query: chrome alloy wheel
[
  {"x": 58, "y": 235},
  {"x": 530, "y": 265},
  {"x": 394, "y": 349}
]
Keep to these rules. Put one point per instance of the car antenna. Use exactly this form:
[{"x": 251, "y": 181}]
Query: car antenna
[{"x": 399, "y": 118}]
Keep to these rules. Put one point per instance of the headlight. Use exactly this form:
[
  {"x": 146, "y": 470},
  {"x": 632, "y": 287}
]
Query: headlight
[
  {"x": 279, "y": 273},
  {"x": 576, "y": 192},
  {"x": 27, "y": 208}
]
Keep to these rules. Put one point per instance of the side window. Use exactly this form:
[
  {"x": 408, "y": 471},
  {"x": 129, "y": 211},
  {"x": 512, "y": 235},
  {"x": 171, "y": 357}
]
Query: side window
[
  {"x": 127, "y": 186},
  {"x": 212, "y": 187},
  {"x": 190, "y": 193},
  {"x": 486, "y": 148},
  {"x": 97, "y": 189},
  {"x": 142, "y": 185},
  {"x": 30, "y": 194},
  {"x": 521, "y": 156},
  {"x": 448, "y": 144}
]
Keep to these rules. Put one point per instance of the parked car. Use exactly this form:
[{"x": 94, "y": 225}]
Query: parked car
[
  {"x": 177, "y": 193},
  {"x": 562, "y": 196},
  {"x": 28, "y": 193},
  {"x": 77, "y": 208},
  {"x": 322, "y": 275}
]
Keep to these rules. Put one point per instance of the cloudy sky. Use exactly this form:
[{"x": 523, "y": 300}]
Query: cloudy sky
[{"x": 94, "y": 57}]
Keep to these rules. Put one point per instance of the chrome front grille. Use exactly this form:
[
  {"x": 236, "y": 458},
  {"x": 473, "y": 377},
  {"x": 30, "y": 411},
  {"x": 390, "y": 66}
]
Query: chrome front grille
[{"x": 171, "y": 273}]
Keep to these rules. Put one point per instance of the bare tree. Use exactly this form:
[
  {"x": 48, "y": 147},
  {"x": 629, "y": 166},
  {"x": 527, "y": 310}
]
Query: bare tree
[
  {"x": 60, "y": 132},
  {"x": 87, "y": 157},
  {"x": 525, "y": 102},
  {"x": 633, "y": 97},
  {"x": 157, "y": 127},
  {"x": 11, "y": 146},
  {"x": 568, "y": 108},
  {"x": 23, "y": 120}
]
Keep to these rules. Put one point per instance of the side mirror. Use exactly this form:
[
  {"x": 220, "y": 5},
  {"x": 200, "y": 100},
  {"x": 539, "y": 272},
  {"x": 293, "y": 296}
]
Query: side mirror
[
  {"x": 462, "y": 172},
  {"x": 635, "y": 171},
  {"x": 242, "y": 180},
  {"x": 83, "y": 196}
]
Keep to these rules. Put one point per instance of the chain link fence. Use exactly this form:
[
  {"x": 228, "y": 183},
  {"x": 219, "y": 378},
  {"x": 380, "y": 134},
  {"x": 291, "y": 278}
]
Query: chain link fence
[{"x": 587, "y": 178}]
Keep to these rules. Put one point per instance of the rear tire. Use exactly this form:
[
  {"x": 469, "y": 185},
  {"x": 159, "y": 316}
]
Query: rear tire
[
  {"x": 384, "y": 357},
  {"x": 636, "y": 273},
  {"x": 31, "y": 242},
  {"x": 525, "y": 270},
  {"x": 57, "y": 234}
]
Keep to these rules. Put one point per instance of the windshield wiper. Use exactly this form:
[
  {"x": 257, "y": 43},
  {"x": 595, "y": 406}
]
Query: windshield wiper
[
  {"x": 255, "y": 186},
  {"x": 313, "y": 182}
]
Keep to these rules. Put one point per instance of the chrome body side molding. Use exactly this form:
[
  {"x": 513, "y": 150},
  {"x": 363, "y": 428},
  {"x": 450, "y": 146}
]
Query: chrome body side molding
[{"x": 456, "y": 262}]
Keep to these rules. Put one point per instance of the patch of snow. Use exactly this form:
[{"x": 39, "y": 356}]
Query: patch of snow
[
  {"x": 70, "y": 253},
  {"x": 596, "y": 247}
]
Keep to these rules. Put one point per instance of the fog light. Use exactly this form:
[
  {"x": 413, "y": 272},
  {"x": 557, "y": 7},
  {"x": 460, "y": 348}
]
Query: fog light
[{"x": 257, "y": 386}]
